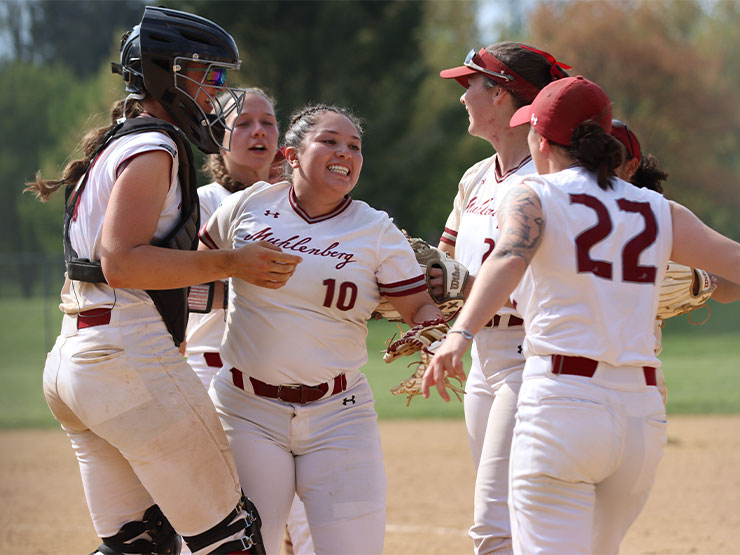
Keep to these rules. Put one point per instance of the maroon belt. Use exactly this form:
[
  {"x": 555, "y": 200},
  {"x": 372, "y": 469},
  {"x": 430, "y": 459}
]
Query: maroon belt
[
  {"x": 496, "y": 320},
  {"x": 300, "y": 394},
  {"x": 580, "y": 366},
  {"x": 213, "y": 360},
  {"x": 93, "y": 317}
]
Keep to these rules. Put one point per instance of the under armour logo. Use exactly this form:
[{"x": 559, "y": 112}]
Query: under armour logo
[
  {"x": 533, "y": 119},
  {"x": 274, "y": 214},
  {"x": 519, "y": 349},
  {"x": 348, "y": 400}
]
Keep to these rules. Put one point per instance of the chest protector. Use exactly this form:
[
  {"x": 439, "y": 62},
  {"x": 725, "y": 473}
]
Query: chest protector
[{"x": 171, "y": 303}]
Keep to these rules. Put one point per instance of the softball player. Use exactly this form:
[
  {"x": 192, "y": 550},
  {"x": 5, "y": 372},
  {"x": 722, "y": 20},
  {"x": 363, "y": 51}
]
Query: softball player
[
  {"x": 254, "y": 144},
  {"x": 253, "y": 157},
  {"x": 298, "y": 413},
  {"x": 140, "y": 422},
  {"x": 498, "y": 80},
  {"x": 592, "y": 250},
  {"x": 642, "y": 171}
]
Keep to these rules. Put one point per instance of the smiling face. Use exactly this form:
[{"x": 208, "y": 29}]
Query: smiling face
[
  {"x": 327, "y": 165},
  {"x": 254, "y": 140}
]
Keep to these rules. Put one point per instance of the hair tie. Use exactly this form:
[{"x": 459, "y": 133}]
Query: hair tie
[{"x": 556, "y": 68}]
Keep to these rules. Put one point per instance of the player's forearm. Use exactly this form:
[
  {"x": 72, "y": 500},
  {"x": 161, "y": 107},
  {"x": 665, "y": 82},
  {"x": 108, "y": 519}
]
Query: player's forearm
[
  {"x": 149, "y": 267},
  {"x": 493, "y": 285},
  {"x": 726, "y": 291}
]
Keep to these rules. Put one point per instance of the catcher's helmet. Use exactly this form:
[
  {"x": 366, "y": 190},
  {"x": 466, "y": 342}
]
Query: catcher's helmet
[{"x": 154, "y": 55}]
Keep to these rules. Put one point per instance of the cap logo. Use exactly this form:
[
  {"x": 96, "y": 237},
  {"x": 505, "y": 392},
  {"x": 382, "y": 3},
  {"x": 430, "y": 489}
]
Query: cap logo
[{"x": 533, "y": 119}]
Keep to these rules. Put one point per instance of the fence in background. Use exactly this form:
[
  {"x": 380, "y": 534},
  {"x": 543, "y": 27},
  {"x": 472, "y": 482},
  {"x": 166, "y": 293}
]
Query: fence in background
[{"x": 36, "y": 276}]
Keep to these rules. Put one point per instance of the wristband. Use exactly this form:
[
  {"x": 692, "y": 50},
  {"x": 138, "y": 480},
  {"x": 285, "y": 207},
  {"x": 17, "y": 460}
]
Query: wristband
[
  {"x": 465, "y": 333},
  {"x": 200, "y": 298}
]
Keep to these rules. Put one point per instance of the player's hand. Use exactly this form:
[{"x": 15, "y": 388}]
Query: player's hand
[
  {"x": 436, "y": 282},
  {"x": 264, "y": 264},
  {"x": 447, "y": 361}
]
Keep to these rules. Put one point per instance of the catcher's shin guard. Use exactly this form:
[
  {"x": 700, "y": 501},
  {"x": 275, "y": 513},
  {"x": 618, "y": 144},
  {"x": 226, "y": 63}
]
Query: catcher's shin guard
[
  {"x": 240, "y": 530},
  {"x": 132, "y": 537}
]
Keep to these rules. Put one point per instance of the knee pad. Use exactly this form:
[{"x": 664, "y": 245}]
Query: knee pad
[
  {"x": 163, "y": 538},
  {"x": 241, "y": 528}
]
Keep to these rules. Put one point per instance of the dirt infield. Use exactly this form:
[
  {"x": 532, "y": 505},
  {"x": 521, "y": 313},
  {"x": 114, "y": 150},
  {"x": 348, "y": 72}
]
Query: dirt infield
[{"x": 693, "y": 507}]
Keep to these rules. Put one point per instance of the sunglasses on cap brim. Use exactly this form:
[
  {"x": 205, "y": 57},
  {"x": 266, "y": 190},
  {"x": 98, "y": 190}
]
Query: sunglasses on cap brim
[{"x": 472, "y": 65}]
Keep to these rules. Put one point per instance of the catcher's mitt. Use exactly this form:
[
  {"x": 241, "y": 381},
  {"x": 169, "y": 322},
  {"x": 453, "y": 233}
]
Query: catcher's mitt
[
  {"x": 454, "y": 278},
  {"x": 424, "y": 338},
  {"x": 683, "y": 290}
]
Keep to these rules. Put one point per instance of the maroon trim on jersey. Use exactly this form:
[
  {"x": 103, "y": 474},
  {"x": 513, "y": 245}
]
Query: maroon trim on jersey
[
  {"x": 421, "y": 288},
  {"x": 497, "y": 172},
  {"x": 404, "y": 287},
  {"x": 311, "y": 220},
  {"x": 206, "y": 239},
  {"x": 126, "y": 161},
  {"x": 449, "y": 236}
]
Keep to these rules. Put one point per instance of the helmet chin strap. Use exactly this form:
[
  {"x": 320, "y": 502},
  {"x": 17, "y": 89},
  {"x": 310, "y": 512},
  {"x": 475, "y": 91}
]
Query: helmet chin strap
[{"x": 131, "y": 96}]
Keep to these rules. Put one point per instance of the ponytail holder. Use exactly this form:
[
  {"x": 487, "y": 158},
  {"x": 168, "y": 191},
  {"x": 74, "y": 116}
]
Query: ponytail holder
[{"x": 556, "y": 68}]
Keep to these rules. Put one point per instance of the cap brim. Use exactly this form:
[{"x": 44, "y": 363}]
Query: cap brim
[
  {"x": 456, "y": 72},
  {"x": 521, "y": 116},
  {"x": 459, "y": 74}
]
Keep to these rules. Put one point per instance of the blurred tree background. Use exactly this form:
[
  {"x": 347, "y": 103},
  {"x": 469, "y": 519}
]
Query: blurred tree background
[{"x": 670, "y": 67}]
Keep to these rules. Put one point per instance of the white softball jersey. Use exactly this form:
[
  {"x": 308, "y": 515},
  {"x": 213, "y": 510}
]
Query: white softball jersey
[
  {"x": 86, "y": 227},
  {"x": 314, "y": 327},
  {"x": 205, "y": 331},
  {"x": 472, "y": 227},
  {"x": 497, "y": 361},
  {"x": 592, "y": 287}
]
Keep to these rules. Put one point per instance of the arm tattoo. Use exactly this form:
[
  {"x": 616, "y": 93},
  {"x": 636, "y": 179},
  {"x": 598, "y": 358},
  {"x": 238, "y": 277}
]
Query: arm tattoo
[{"x": 522, "y": 224}]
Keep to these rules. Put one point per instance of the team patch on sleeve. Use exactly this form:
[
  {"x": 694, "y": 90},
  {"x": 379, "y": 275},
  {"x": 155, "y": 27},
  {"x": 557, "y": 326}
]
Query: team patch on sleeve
[
  {"x": 403, "y": 288},
  {"x": 449, "y": 237}
]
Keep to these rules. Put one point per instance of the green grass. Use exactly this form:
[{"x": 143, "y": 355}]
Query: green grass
[
  {"x": 382, "y": 376},
  {"x": 701, "y": 364},
  {"x": 27, "y": 332}
]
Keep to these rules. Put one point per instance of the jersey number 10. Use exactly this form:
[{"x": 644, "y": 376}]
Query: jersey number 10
[{"x": 347, "y": 296}]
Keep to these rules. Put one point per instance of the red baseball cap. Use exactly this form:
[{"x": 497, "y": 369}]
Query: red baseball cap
[
  {"x": 562, "y": 106},
  {"x": 625, "y": 136}
]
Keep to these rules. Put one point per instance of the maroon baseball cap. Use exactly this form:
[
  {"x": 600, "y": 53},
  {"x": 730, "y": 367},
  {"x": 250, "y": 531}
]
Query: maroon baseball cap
[
  {"x": 625, "y": 136},
  {"x": 562, "y": 106}
]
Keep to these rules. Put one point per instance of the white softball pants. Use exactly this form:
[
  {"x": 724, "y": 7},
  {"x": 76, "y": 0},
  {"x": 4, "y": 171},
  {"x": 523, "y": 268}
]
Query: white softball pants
[
  {"x": 300, "y": 533},
  {"x": 584, "y": 457},
  {"x": 491, "y": 392},
  {"x": 141, "y": 424},
  {"x": 327, "y": 451}
]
